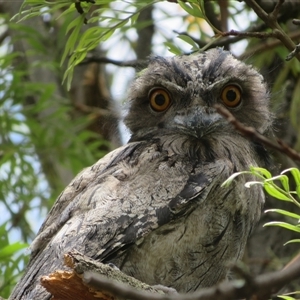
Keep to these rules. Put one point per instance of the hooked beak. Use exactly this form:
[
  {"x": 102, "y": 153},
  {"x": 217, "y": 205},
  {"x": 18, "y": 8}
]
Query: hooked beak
[{"x": 198, "y": 121}]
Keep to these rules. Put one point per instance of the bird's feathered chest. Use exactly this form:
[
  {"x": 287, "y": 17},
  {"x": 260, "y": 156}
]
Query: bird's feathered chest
[
  {"x": 158, "y": 206},
  {"x": 185, "y": 219},
  {"x": 156, "y": 210},
  {"x": 144, "y": 184}
]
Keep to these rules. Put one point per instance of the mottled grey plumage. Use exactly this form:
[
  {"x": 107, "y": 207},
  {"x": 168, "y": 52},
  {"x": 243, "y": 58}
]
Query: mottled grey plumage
[{"x": 154, "y": 207}]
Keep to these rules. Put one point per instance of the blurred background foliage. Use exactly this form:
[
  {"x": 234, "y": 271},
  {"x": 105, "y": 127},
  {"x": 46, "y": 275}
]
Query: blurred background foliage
[{"x": 49, "y": 131}]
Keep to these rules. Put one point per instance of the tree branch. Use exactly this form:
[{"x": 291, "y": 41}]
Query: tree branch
[
  {"x": 271, "y": 21},
  {"x": 266, "y": 45},
  {"x": 252, "y": 134},
  {"x": 68, "y": 285},
  {"x": 260, "y": 35},
  {"x": 261, "y": 287},
  {"x": 90, "y": 279},
  {"x": 130, "y": 63}
]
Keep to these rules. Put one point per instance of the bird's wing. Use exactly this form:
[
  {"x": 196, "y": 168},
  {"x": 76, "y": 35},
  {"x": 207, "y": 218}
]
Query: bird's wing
[
  {"x": 111, "y": 205},
  {"x": 136, "y": 190},
  {"x": 69, "y": 200}
]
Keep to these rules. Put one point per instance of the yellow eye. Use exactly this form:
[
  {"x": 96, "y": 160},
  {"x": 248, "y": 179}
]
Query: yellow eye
[
  {"x": 159, "y": 99},
  {"x": 231, "y": 95}
]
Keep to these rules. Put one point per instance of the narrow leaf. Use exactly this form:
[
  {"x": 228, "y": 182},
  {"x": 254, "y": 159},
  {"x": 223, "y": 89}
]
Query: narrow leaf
[
  {"x": 275, "y": 192},
  {"x": 284, "y": 212},
  {"x": 197, "y": 11},
  {"x": 296, "y": 174},
  {"x": 73, "y": 37},
  {"x": 191, "y": 9},
  {"x": 261, "y": 171},
  {"x": 285, "y": 297},
  {"x": 284, "y": 181},
  {"x": 71, "y": 9},
  {"x": 292, "y": 241},
  {"x": 9, "y": 250},
  {"x": 172, "y": 48},
  {"x": 190, "y": 41},
  {"x": 284, "y": 225},
  {"x": 134, "y": 18}
]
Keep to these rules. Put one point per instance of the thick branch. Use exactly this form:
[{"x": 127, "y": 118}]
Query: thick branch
[
  {"x": 261, "y": 287},
  {"x": 68, "y": 285},
  {"x": 91, "y": 280}
]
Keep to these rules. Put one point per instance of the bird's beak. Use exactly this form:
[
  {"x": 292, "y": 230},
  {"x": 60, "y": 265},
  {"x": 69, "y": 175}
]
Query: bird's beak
[{"x": 198, "y": 121}]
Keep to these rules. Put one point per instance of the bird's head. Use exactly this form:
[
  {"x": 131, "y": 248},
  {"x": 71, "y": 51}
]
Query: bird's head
[{"x": 178, "y": 95}]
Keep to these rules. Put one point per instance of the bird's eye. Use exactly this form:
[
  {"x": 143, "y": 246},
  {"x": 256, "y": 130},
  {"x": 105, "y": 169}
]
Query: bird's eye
[
  {"x": 231, "y": 95},
  {"x": 159, "y": 99}
]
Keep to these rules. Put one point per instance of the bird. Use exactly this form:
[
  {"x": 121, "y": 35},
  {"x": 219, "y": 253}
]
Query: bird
[{"x": 155, "y": 207}]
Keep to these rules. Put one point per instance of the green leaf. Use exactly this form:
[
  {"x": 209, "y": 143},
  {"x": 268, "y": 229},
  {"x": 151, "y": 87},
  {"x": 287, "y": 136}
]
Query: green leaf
[
  {"x": 275, "y": 192},
  {"x": 296, "y": 174},
  {"x": 198, "y": 12},
  {"x": 134, "y": 18},
  {"x": 71, "y": 9},
  {"x": 285, "y": 297},
  {"x": 9, "y": 250},
  {"x": 38, "y": 8},
  {"x": 262, "y": 171},
  {"x": 292, "y": 241},
  {"x": 70, "y": 45},
  {"x": 172, "y": 48},
  {"x": 284, "y": 212},
  {"x": 284, "y": 225},
  {"x": 190, "y": 41},
  {"x": 283, "y": 179},
  {"x": 192, "y": 9}
]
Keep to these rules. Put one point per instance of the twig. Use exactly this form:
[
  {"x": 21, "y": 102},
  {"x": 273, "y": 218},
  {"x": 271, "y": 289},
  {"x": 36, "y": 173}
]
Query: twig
[
  {"x": 252, "y": 134},
  {"x": 261, "y": 286},
  {"x": 105, "y": 60},
  {"x": 223, "y": 42},
  {"x": 297, "y": 49},
  {"x": 95, "y": 112},
  {"x": 271, "y": 21},
  {"x": 293, "y": 53},
  {"x": 260, "y": 35},
  {"x": 266, "y": 45},
  {"x": 275, "y": 12}
]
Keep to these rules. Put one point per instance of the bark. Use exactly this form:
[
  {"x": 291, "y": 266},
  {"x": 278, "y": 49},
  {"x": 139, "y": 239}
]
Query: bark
[
  {"x": 145, "y": 34},
  {"x": 69, "y": 285},
  {"x": 93, "y": 280}
]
